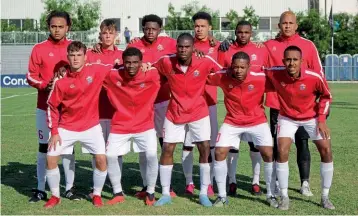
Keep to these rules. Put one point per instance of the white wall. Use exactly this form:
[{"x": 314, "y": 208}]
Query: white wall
[{"x": 348, "y": 6}]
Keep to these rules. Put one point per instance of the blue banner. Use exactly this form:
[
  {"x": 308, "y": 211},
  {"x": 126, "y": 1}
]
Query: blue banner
[{"x": 14, "y": 81}]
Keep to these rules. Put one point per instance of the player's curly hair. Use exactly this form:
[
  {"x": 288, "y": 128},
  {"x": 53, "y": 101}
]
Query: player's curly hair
[
  {"x": 132, "y": 51},
  {"x": 62, "y": 14},
  {"x": 202, "y": 15},
  {"x": 241, "y": 55},
  {"x": 152, "y": 18}
]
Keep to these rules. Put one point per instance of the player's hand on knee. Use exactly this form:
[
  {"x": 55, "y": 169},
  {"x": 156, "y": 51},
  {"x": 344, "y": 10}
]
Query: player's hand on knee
[
  {"x": 134, "y": 40},
  {"x": 324, "y": 130},
  {"x": 97, "y": 48},
  {"x": 53, "y": 142}
]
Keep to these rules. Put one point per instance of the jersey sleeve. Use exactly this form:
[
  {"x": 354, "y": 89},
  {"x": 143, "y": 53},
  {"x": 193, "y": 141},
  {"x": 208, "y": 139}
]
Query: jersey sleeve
[
  {"x": 269, "y": 87},
  {"x": 214, "y": 79},
  {"x": 33, "y": 76},
  {"x": 160, "y": 65},
  {"x": 213, "y": 65},
  {"x": 325, "y": 99},
  {"x": 54, "y": 101},
  {"x": 222, "y": 56}
]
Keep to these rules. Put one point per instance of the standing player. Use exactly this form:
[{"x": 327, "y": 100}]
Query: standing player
[
  {"x": 202, "y": 26},
  {"x": 276, "y": 47},
  {"x": 46, "y": 58},
  {"x": 244, "y": 95},
  {"x": 153, "y": 47},
  {"x": 297, "y": 89},
  {"x": 77, "y": 94},
  {"x": 132, "y": 92},
  {"x": 258, "y": 60},
  {"x": 187, "y": 111}
]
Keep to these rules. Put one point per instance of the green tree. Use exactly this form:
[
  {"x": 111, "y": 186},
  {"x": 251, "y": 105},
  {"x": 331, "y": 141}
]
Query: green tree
[
  {"x": 233, "y": 17},
  {"x": 84, "y": 14},
  {"x": 345, "y": 37},
  {"x": 5, "y": 27},
  {"x": 28, "y": 25},
  {"x": 251, "y": 16}
]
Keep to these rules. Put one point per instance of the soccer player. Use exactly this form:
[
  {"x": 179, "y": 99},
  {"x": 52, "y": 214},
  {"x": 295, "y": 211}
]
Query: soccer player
[
  {"x": 258, "y": 60},
  {"x": 187, "y": 110},
  {"x": 311, "y": 60},
  {"x": 46, "y": 58},
  {"x": 132, "y": 92},
  {"x": 202, "y": 42},
  {"x": 78, "y": 120},
  {"x": 297, "y": 88},
  {"x": 243, "y": 97},
  {"x": 153, "y": 47}
]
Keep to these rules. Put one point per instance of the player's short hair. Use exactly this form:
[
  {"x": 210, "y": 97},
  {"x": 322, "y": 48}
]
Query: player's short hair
[
  {"x": 185, "y": 36},
  {"x": 241, "y": 55},
  {"x": 76, "y": 46},
  {"x": 292, "y": 48},
  {"x": 286, "y": 13},
  {"x": 62, "y": 14},
  {"x": 132, "y": 51},
  {"x": 108, "y": 24},
  {"x": 202, "y": 15},
  {"x": 152, "y": 18},
  {"x": 243, "y": 23}
]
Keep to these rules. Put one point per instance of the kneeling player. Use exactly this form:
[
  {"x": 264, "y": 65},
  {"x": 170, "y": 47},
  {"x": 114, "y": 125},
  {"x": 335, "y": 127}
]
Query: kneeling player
[
  {"x": 297, "y": 90},
  {"x": 77, "y": 94},
  {"x": 244, "y": 93},
  {"x": 132, "y": 93}
]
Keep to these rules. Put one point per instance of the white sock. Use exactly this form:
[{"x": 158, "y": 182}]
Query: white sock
[
  {"x": 212, "y": 152},
  {"x": 165, "y": 178},
  {"x": 273, "y": 178},
  {"x": 282, "y": 175},
  {"x": 268, "y": 169},
  {"x": 204, "y": 177},
  {"x": 326, "y": 177},
  {"x": 68, "y": 163},
  {"x": 93, "y": 162},
  {"x": 220, "y": 171},
  {"x": 232, "y": 165},
  {"x": 99, "y": 177},
  {"x": 256, "y": 165},
  {"x": 152, "y": 170},
  {"x": 143, "y": 167},
  {"x": 187, "y": 163},
  {"x": 53, "y": 180},
  {"x": 114, "y": 174},
  {"x": 41, "y": 171}
]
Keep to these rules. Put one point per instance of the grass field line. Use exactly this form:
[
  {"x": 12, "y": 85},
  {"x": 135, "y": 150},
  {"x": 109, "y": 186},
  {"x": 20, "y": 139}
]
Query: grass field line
[
  {"x": 20, "y": 115},
  {"x": 12, "y": 96}
]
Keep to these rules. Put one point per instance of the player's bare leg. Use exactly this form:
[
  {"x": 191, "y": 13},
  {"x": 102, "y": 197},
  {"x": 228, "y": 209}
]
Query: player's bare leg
[
  {"x": 204, "y": 152},
  {"x": 220, "y": 172},
  {"x": 99, "y": 178},
  {"x": 283, "y": 147}
]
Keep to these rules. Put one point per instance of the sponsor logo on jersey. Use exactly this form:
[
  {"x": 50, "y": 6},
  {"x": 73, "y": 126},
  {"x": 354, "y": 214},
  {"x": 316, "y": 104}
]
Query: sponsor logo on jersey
[
  {"x": 89, "y": 79},
  {"x": 302, "y": 87},
  {"x": 142, "y": 50},
  {"x": 118, "y": 83},
  {"x": 253, "y": 57},
  {"x": 196, "y": 73},
  {"x": 273, "y": 48},
  {"x": 117, "y": 61},
  {"x": 51, "y": 54},
  {"x": 142, "y": 85},
  {"x": 211, "y": 50},
  {"x": 160, "y": 47},
  {"x": 72, "y": 86},
  {"x": 98, "y": 61},
  {"x": 250, "y": 87}
]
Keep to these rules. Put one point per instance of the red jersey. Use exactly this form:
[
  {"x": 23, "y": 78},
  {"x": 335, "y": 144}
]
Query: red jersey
[
  {"x": 133, "y": 100},
  {"x": 152, "y": 52},
  {"x": 297, "y": 97},
  {"x": 211, "y": 92},
  {"x": 243, "y": 99},
  {"x": 259, "y": 57},
  {"x": 114, "y": 57},
  {"x": 187, "y": 103},
  {"x": 46, "y": 58},
  {"x": 77, "y": 94},
  {"x": 276, "y": 48}
]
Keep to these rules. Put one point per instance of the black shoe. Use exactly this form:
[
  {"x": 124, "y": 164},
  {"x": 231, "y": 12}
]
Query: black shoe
[
  {"x": 72, "y": 195},
  {"x": 37, "y": 195}
]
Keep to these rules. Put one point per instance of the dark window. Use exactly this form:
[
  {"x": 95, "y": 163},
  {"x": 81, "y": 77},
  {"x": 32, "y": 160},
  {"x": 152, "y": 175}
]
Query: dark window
[{"x": 264, "y": 23}]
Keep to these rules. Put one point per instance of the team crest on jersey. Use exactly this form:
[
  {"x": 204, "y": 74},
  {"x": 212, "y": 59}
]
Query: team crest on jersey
[
  {"x": 89, "y": 79},
  {"x": 283, "y": 84},
  {"x": 253, "y": 57},
  {"x": 118, "y": 84},
  {"x": 160, "y": 47},
  {"x": 142, "y": 50},
  {"x": 98, "y": 61},
  {"x": 117, "y": 61},
  {"x": 72, "y": 86},
  {"x": 273, "y": 48},
  {"x": 51, "y": 54},
  {"x": 196, "y": 73},
  {"x": 231, "y": 86},
  {"x": 211, "y": 50},
  {"x": 251, "y": 87},
  {"x": 302, "y": 87},
  {"x": 142, "y": 85}
]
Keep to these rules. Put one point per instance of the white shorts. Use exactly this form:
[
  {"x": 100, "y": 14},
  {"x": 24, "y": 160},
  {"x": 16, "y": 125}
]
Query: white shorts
[
  {"x": 214, "y": 128},
  {"x": 229, "y": 136},
  {"x": 160, "y": 110},
  {"x": 90, "y": 139},
  {"x": 175, "y": 133},
  {"x": 287, "y": 127},
  {"x": 106, "y": 128},
  {"x": 43, "y": 131},
  {"x": 120, "y": 144}
]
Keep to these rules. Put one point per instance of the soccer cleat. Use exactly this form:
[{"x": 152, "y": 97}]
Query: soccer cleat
[
  {"x": 210, "y": 191},
  {"x": 150, "y": 199},
  {"x": 272, "y": 201},
  {"x": 172, "y": 193},
  {"x": 37, "y": 195},
  {"x": 97, "y": 201},
  {"x": 204, "y": 200},
  {"x": 52, "y": 202},
  {"x": 72, "y": 195},
  {"x": 189, "y": 189},
  {"x": 327, "y": 204},
  {"x": 141, "y": 194},
  {"x": 164, "y": 200},
  {"x": 232, "y": 189},
  {"x": 117, "y": 198},
  {"x": 256, "y": 190},
  {"x": 284, "y": 203},
  {"x": 305, "y": 189},
  {"x": 221, "y": 202}
]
